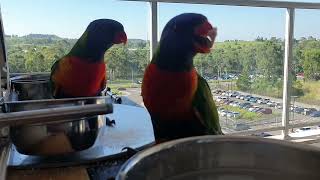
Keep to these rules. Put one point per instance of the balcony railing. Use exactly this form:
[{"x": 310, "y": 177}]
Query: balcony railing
[{"x": 290, "y": 15}]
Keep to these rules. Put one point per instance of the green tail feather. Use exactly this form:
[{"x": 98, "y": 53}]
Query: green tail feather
[
  {"x": 204, "y": 105},
  {"x": 53, "y": 69}
]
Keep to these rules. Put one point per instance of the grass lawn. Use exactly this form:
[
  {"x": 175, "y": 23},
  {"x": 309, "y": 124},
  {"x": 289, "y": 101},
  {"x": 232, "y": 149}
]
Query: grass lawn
[{"x": 311, "y": 91}]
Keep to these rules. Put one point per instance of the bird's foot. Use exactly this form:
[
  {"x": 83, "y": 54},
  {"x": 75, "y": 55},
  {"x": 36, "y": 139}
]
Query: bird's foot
[
  {"x": 109, "y": 122},
  {"x": 118, "y": 100}
]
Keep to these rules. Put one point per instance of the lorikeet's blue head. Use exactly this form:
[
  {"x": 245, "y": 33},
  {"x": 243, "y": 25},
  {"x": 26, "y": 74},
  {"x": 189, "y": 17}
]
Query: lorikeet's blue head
[
  {"x": 190, "y": 31},
  {"x": 104, "y": 33},
  {"x": 99, "y": 36},
  {"x": 182, "y": 38}
]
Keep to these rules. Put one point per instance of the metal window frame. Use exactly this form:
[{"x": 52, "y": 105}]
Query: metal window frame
[
  {"x": 4, "y": 78},
  {"x": 249, "y": 3}
]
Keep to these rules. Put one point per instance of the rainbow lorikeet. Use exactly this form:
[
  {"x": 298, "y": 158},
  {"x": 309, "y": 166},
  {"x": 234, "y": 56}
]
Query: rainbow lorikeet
[
  {"x": 82, "y": 72},
  {"x": 178, "y": 99}
]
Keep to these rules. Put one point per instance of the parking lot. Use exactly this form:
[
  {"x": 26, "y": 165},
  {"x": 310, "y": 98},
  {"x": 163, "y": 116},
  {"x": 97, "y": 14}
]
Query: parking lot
[
  {"x": 267, "y": 111},
  {"x": 230, "y": 121}
]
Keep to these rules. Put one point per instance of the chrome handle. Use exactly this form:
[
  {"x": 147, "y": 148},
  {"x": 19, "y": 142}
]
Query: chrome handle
[{"x": 49, "y": 115}]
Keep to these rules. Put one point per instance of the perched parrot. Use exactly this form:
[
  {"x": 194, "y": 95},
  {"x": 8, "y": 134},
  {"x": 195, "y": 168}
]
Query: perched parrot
[
  {"x": 178, "y": 99},
  {"x": 82, "y": 72}
]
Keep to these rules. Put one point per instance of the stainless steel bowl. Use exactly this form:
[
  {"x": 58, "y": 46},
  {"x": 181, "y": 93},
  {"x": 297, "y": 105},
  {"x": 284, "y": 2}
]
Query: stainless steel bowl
[
  {"x": 224, "y": 158},
  {"x": 59, "y": 137},
  {"x": 31, "y": 87}
]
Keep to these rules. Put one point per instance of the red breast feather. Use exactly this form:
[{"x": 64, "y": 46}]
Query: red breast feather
[
  {"x": 77, "y": 78},
  {"x": 168, "y": 95}
]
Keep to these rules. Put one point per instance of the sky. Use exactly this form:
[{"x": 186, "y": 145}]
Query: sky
[{"x": 69, "y": 18}]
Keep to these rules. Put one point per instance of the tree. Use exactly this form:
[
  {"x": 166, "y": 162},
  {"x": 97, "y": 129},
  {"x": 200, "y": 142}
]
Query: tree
[
  {"x": 270, "y": 61},
  {"x": 17, "y": 63},
  {"x": 243, "y": 82},
  {"x": 117, "y": 61},
  {"x": 35, "y": 62},
  {"x": 311, "y": 64}
]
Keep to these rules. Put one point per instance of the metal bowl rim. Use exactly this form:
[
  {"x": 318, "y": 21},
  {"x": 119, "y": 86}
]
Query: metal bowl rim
[{"x": 125, "y": 168}]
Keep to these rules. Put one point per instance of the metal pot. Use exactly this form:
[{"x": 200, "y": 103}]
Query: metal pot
[
  {"x": 31, "y": 87},
  {"x": 56, "y": 138},
  {"x": 224, "y": 158}
]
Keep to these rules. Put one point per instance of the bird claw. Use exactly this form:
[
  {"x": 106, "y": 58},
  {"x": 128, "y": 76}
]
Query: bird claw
[
  {"x": 109, "y": 122},
  {"x": 118, "y": 100}
]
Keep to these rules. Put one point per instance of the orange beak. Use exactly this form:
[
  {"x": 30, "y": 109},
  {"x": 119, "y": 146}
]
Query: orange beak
[{"x": 207, "y": 32}]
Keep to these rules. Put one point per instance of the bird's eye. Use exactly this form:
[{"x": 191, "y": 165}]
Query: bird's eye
[{"x": 203, "y": 29}]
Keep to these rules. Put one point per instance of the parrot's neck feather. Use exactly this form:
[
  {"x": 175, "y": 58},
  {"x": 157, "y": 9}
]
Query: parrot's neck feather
[
  {"x": 173, "y": 61},
  {"x": 88, "y": 51}
]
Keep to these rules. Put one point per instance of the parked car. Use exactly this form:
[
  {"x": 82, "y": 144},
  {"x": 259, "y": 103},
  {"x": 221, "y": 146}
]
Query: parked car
[
  {"x": 235, "y": 104},
  {"x": 315, "y": 114},
  {"x": 292, "y": 108},
  {"x": 223, "y": 112},
  {"x": 234, "y": 94},
  {"x": 257, "y": 109},
  {"x": 308, "y": 111},
  {"x": 262, "y": 134},
  {"x": 217, "y": 91},
  {"x": 242, "y": 105},
  {"x": 241, "y": 97},
  {"x": 220, "y": 109},
  {"x": 222, "y": 98},
  {"x": 299, "y": 110},
  {"x": 247, "y": 106},
  {"x": 271, "y": 103},
  {"x": 266, "y": 111},
  {"x": 247, "y": 97},
  {"x": 263, "y": 101},
  {"x": 233, "y": 114},
  {"x": 253, "y": 99},
  {"x": 251, "y": 109},
  {"x": 227, "y": 101},
  {"x": 231, "y": 102},
  {"x": 278, "y": 106},
  {"x": 241, "y": 127},
  {"x": 303, "y": 129},
  {"x": 266, "y": 100}
]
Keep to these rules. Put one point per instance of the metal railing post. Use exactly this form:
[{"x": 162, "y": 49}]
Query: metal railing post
[
  {"x": 287, "y": 69},
  {"x": 153, "y": 27}
]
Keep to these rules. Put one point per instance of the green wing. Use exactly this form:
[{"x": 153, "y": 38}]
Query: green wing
[
  {"x": 53, "y": 69},
  {"x": 205, "y": 107}
]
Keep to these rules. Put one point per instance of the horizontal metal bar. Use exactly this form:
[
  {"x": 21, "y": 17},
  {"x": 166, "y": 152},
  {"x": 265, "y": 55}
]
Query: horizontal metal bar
[
  {"x": 250, "y": 3},
  {"x": 50, "y": 115},
  {"x": 30, "y": 74},
  {"x": 277, "y": 128},
  {"x": 56, "y": 101}
]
